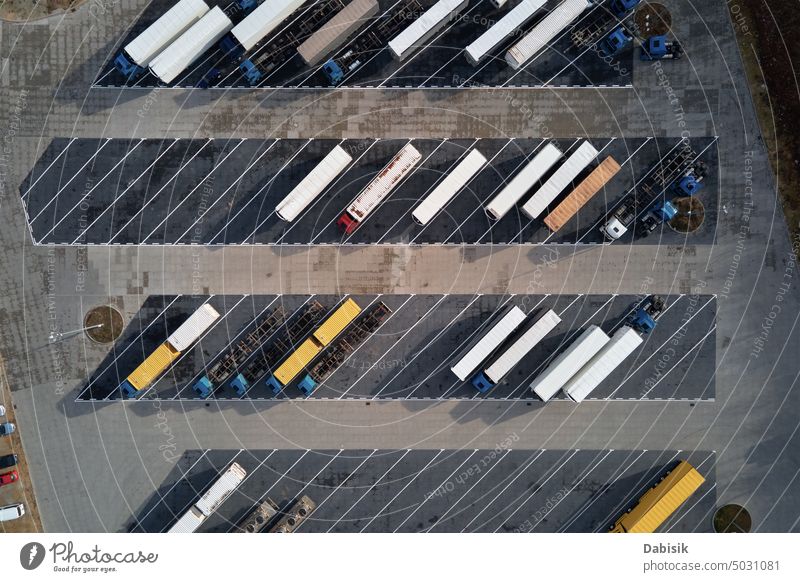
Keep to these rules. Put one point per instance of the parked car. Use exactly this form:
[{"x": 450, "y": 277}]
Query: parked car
[
  {"x": 8, "y": 478},
  {"x": 8, "y": 461},
  {"x": 2, "y": 410},
  {"x": 7, "y": 428},
  {"x": 9, "y": 512}
]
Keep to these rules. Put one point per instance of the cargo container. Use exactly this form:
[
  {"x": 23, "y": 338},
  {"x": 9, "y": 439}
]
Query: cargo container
[
  {"x": 260, "y": 22},
  {"x": 660, "y": 501},
  {"x": 560, "y": 179},
  {"x": 423, "y": 28},
  {"x": 379, "y": 188},
  {"x": 624, "y": 341},
  {"x": 219, "y": 491},
  {"x": 314, "y": 184},
  {"x": 490, "y": 341},
  {"x": 590, "y": 186},
  {"x": 189, "y": 46},
  {"x": 545, "y": 31},
  {"x": 504, "y": 28},
  {"x": 526, "y": 179},
  {"x": 150, "y": 370},
  {"x": 569, "y": 362},
  {"x": 336, "y": 323},
  {"x": 138, "y": 53},
  {"x": 191, "y": 329},
  {"x": 189, "y": 522},
  {"x": 334, "y": 34},
  {"x": 449, "y": 187},
  {"x": 513, "y": 355}
]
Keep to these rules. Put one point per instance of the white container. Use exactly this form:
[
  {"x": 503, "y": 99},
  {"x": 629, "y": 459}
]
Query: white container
[
  {"x": 163, "y": 31},
  {"x": 622, "y": 345},
  {"x": 505, "y": 27},
  {"x": 189, "y": 46},
  {"x": 263, "y": 20},
  {"x": 449, "y": 187},
  {"x": 382, "y": 184},
  {"x": 188, "y": 522},
  {"x": 191, "y": 329},
  {"x": 418, "y": 32},
  {"x": 313, "y": 184},
  {"x": 560, "y": 179},
  {"x": 513, "y": 192},
  {"x": 12, "y": 512},
  {"x": 221, "y": 489},
  {"x": 337, "y": 30},
  {"x": 569, "y": 362},
  {"x": 545, "y": 31},
  {"x": 500, "y": 331},
  {"x": 520, "y": 348}
]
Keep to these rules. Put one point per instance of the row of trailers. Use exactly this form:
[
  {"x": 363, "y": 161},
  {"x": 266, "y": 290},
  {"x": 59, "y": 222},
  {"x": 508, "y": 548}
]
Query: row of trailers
[
  {"x": 645, "y": 516},
  {"x": 263, "y": 518},
  {"x": 252, "y": 36},
  {"x": 276, "y": 351}
]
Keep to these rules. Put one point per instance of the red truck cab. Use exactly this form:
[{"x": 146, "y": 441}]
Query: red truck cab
[{"x": 347, "y": 223}]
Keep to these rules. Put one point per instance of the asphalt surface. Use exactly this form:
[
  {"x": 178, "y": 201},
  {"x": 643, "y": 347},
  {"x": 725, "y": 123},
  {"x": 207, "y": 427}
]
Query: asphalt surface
[
  {"x": 439, "y": 63},
  {"x": 377, "y": 491},
  {"x": 217, "y": 192}
]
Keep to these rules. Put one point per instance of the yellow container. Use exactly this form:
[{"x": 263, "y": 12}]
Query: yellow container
[
  {"x": 338, "y": 320},
  {"x": 153, "y": 366},
  {"x": 299, "y": 359}
]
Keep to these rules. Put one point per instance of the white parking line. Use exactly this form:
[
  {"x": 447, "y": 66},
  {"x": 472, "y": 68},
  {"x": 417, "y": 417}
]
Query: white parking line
[
  {"x": 50, "y": 165},
  {"x": 249, "y": 474},
  {"x": 678, "y": 363}
]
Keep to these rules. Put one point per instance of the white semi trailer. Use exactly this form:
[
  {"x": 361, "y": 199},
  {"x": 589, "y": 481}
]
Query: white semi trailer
[
  {"x": 504, "y": 28},
  {"x": 258, "y": 24},
  {"x": 449, "y": 187},
  {"x": 222, "y": 488},
  {"x": 424, "y": 27}
]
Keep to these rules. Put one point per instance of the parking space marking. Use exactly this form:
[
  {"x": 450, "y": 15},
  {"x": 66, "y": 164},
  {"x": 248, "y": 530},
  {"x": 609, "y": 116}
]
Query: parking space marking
[
  {"x": 689, "y": 351},
  {"x": 50, "y": 165},
  {"x": 246, "y": 477},
  {"x": 374, "y": 486}
]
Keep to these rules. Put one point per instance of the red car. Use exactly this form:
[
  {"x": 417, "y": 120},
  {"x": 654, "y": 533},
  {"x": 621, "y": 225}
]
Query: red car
[{"x": 8, "y": 478}]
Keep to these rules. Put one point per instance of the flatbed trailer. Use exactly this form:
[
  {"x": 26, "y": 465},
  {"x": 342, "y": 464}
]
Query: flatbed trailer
[{"x": 294, "y": 515}]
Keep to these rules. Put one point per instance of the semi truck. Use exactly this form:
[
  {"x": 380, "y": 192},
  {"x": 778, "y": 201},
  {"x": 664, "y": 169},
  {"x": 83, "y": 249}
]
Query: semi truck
[
  {"x": 313, "y": 345},
  {"x": 646, "y": 315},
  {"x": 163, "y": 357},
  {"x": 265, "y": 360},
  {"x": 526, "y": 179},
  {"x": 561, "y": 178},
  {"x": 379, "y": 188},
  {"x": 513, "y": 355},
  {"x": 294, "y": 515},
  {"x": 423, "y": 28},
  {"x": 340, "y": 350},
  {"x": 219, "y": 491},
  {"x": 229, "y": 364},
  {"x": 259, "y": 517},
  {"x": 336, "y": 32},
  {"x": 584, "y": 192},
  {"x": 569, "y": 363},
  {"x": 660, "y": 501},
  {"x": 482, "y": 46},
  {"x": 195, "y": 41},
  {"x": 594, "y": 28},
  {"x": 659, "y": 213},
  {"x": 545, "y": 31},
  {"x": 280, "y": 48},
  {"x": 373, "y": 39},
  {"x": 452, "y": 184},
  {"x": 314, "y": 184},
  {"x": 466, "y": 364},
  {"x": 622, "y": 344},
  {"x": 255, "y": 28},
  {"x": 134, "y": 59},
  {"x": 658, "y": 48}
]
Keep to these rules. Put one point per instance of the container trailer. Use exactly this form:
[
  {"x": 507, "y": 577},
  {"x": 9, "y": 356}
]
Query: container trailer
[
  {"x": 336, "y": 32},
  {"x": 482, "y": 46},
  {"x": 424, "y": 27},
  {"x": 258, "y": 24},
  {"x": 191, "y": 329},
  {"x": 219, "y": 491},
  {"x": 449, "y": 187}
]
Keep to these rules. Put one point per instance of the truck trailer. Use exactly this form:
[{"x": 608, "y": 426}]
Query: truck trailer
[
  {"x": 491, "y": 340},
  {"x": 449, "y": 187},
  {"x": 336, "y": 32},
  {"x": 560, "y": 179},
  {"x": 478, "y": 49},
  {"x": 314, "y": 184},
  {"x": 222, "y": 488},
  {"x": 513, "y": 192},
  {"x": 585, "y": 191},
  {"x": 624, "y": 341},
  {"x": 137, "y": 54},
  {"x": 424, "y": 27},
  {"x": 379, "y": 188},
  {"x": 513, "y": 355},
  {"x": 569, "y": 363},
  {"x": 258, "y": 24},
  {"x": 545, "y": 31}
]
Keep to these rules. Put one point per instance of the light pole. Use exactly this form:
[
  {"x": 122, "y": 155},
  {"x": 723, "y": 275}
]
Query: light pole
[{"x": 57, "y": 336}]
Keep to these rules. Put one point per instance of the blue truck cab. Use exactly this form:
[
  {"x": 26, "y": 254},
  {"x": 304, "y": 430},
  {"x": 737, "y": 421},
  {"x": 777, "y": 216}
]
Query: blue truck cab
[
  {"x": 307, "y": 385},
  {"x": 126, "y": 66},
  {"x": 128, "y": 391},
  {"x": 203, "y": 387},
  {"x": 250, "y": 72},
  {"x": 621, "y": 7},
  {"x": 481, "y": 383},
  {"x": 644, "y": 318},
  {"x": 616, "y": 41},
  {"x": 333, "y": 72},
  {"x": 273, "y": 384},
  {"x": 688, "y": 185},
  {"x": 239, "y": 384}
]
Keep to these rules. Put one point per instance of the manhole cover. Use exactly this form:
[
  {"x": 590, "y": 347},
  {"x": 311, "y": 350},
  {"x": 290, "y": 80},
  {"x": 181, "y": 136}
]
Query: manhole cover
[
  {"x": 653, "y": 20},
  {"x": 732, "y": 519},
  {"x": 691, "y": 214},
  {"x": 103, "y": 324}
]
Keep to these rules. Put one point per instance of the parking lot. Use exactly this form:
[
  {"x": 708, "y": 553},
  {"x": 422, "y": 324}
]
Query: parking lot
[
  {"x": 409, "y": 356},
  {"x": 440, "y": 63},
  {"x": 500, "y": 490},
  {"x": 216, "y": 192}
]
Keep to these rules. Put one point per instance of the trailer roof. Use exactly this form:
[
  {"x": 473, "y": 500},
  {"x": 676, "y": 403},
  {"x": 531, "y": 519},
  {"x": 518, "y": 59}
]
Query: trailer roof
[
  {"x": 506, "y": 26},
  {"x": 417, "y": 30},
  {"x": 449, "y": 186},
  {"x": 263, "y": 20},
  {"x": 491, "y": 340},
  {"x": 163, "y": 31},
  {"x": 336, "y": 30}
]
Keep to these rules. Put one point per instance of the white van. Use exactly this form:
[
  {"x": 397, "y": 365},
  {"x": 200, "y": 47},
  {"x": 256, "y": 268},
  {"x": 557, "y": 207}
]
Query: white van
[{"x": 10, "y": 512}]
